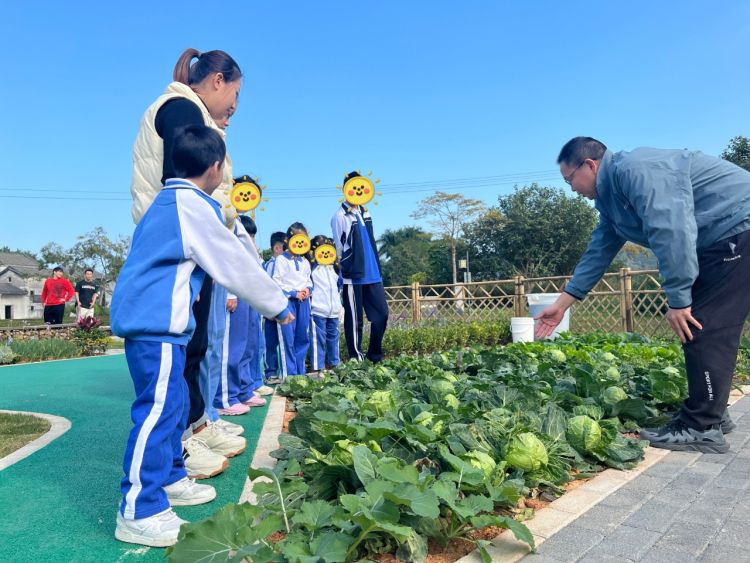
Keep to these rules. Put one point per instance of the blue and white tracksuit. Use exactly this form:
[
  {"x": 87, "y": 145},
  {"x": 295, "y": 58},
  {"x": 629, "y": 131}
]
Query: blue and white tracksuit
[
  {"x": 179, "y": 239},
  {"x": 271, "y": 334},
  {"x": 214, "y": 363},
  {"x": 251, "y": 369},
  {"x": 292, "y": 273},
  {"x": 325, "y": 307}
]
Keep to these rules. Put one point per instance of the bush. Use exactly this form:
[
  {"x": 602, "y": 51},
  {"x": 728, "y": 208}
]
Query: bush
[
  {"x": 38, "y": 350},
  {"x": 89, "y": 338},
  {"x": 6, "y": 355}
]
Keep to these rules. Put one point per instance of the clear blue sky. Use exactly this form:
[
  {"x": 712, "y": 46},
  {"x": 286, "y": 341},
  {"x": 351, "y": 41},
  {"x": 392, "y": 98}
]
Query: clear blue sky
[{"x": 417, "y": 91}]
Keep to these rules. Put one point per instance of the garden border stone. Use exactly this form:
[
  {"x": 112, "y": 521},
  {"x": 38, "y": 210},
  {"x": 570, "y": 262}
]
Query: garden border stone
[{"x": 59, "y": 426}]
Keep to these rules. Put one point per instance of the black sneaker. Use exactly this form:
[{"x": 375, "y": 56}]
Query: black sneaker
[
  {"x": 727, "y": 424},
  {"x": 676, "y": 435}
]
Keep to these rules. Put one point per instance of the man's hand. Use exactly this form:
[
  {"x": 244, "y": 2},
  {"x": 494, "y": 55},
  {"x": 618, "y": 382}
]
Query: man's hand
[
  {"x": 231, "y": 305},
  {"x": 553, "y": 315},
  {"x": 680, "y": 321},
  {"x": 288, "y": 319}
]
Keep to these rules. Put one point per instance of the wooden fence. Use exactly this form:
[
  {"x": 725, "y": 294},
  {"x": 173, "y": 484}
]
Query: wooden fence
[{"x": 624, "y": 301}]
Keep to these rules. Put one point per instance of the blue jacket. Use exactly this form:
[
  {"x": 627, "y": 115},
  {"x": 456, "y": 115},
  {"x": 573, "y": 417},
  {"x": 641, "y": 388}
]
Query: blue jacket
[
  {"x": 180, "y": 238},
  {"x": 675, "y": 202},
  {"x": 349, "y": 244}
]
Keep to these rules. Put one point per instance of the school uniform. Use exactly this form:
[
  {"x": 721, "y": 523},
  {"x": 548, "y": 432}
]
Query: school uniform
[
  {"x": 271, "y": 334},
  {"x": 325, "y": 305},
  {"x": 293, "y": 273}
]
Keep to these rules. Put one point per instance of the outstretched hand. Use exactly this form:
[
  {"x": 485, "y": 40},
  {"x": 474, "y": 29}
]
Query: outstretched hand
[
  {"x": 548, "y": 319},
  {"x": 680, "y": 321}
]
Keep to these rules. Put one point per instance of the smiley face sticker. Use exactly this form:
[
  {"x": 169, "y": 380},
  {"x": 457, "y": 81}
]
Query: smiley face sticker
[
  {"x": 246, "y": 195},
  {"x": 325, "y": 254},
  {"x": 359, "y": 189},
  {"x": 299, "y": 244}
]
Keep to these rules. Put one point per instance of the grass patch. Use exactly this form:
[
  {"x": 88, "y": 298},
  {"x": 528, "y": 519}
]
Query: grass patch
[{"x": 17, "y": 430}]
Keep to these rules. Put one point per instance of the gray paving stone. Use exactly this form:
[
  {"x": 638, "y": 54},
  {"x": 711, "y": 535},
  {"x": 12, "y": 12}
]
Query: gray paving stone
[
  {"x": 703, "y": 468},
  {"x": 648, "y": 483},
  {"x": 741, "y": 406},
  {"x": 733, "y": 533},
  {"x": 655, "y": 515},
  {"x": 680, "y": 495},
  {"x": 700, "y": 513},
  {"x": 625, "y": 541},
  {"x": 605, "y": 558},
  {"x": 718, "y": 553},
  {"x": 663, "y": 555},
  {"x": 737, "y": 439},
  {"x": 722, "y": 459},
  {"x": 626, "y": 499},
  {"x": 732, "y": 480},
  {"x": 741, "y": 510},
  {"x": 570, "y": 543},
  {"x": 666, "y": 469},
  {"x": 604, "y": 519},
  {"x": 744, "y": 454},
  {"x": 687, "y": 537},
  {"x": 739, "y": 465},
  {"x": 539, "y": 558},
  {"x": 713, "y": 496}
]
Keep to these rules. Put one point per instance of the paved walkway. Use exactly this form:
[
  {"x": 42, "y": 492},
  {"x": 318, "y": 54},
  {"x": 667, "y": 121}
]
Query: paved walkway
[{"x": 687, "y": 507}]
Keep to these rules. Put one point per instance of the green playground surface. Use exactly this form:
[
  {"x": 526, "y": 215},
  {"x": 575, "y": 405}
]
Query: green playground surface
[{"x": 60, "y": 503}]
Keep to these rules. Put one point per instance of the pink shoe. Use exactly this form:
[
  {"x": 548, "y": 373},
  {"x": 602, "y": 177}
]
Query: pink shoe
[
  {"x": 235, "y": 409},
  {"x": 255, "y": 401}
]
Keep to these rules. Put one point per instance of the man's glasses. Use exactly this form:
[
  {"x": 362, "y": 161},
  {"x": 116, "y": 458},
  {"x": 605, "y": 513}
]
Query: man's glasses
[{"x": 569, "y": 179}]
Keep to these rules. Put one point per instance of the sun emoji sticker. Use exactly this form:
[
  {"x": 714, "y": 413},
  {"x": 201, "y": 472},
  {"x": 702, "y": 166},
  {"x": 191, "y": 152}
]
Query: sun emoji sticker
[
  {"x": 299, "y": 244},
  {"x": 359, "y": 189},
  {"x": 325, "y": 253},
  {"x": 246, "y": 194}
]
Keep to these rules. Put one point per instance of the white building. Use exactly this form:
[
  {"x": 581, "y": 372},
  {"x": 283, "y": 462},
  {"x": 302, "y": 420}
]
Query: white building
[{"x": 21, "y": 283}]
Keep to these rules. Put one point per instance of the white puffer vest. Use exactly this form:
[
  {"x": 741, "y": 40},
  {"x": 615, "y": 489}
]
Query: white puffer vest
[{"x": 148, "y": 157}]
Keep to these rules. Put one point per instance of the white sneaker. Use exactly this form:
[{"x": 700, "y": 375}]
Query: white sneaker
[
  {"x": 159, "y": 530},
  {"x": 220, "y": 442},
  {"x": 200, "y": 461},
  {"x": 186, "y": 492},
  {"x": 263, "y": 390},
  {"x": 229, "y": 427}
]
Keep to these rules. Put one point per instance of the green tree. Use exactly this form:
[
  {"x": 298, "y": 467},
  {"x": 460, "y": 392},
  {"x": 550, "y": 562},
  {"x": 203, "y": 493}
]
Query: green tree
[
  {"x": 447, "y": 214},
  {"x": 738, "y": 152},
  {"x": 403, "y": 252},
  {"x": 535, "y": 231}
]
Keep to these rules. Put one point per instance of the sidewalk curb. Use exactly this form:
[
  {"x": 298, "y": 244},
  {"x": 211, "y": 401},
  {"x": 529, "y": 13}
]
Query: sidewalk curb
[
  {"x": 267, "y": 442},
  {"x": 558, "y": 514},
  {"x": 59, "y": 426}
]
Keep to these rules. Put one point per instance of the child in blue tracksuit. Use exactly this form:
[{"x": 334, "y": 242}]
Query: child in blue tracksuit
[
  {"x": 180, "y": 238},
  {"x": 292, "y": 273},
  {"x": 270, "y": 328},
  {"x": 325, "y": 305}
]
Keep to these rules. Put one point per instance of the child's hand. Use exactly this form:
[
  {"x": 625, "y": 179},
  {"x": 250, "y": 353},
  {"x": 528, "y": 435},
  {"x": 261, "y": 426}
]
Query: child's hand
[
  {"x": 231, "y": 305},
  {"x": 288, "y": 319},
  {"x": 303, "y": 294}
]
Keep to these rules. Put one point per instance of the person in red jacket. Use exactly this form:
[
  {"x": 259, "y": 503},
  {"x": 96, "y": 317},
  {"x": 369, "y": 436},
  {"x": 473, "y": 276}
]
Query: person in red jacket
[{"x": 56, "y": 292}]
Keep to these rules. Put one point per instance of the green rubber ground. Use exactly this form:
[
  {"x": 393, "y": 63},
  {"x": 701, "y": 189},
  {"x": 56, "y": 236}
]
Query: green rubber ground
[{"x": 60, "y": 503}]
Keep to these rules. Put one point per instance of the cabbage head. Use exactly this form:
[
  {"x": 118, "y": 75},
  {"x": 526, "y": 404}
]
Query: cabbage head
[
  {"x": 480, "y": 460},
  {"x": 526, "y": 452},
  {"x": 614, "y": 394},
  {"x": 584, "y": 433},
  {"x": 443, "y": 387},
  {"x": 557, "y": 355},
  {"x": 381, "y": 402},
  {"x": 607, "y": 357},
  {"x": 451, "y": 401}
]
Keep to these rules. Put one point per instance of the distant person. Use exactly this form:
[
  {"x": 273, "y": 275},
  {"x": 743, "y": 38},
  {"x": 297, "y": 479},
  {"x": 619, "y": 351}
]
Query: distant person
[
  {"x": 693, "y": 212},
  {"x": 180, "y": 239},
  {"x": 325, "y": 305},
  {"x": 57, "y": 291},
  {"x": 360, "y": 269},
  {"x": 87, "y": 292},
  {"x": 270, "y": 328},
  {"x": 205, "y": 91}
]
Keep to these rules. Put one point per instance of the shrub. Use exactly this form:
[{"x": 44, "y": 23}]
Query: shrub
[
  {"x": 6, "y": 355},
  {"x": 89, "y": 338},
  {"x": 38, "y": 350}
]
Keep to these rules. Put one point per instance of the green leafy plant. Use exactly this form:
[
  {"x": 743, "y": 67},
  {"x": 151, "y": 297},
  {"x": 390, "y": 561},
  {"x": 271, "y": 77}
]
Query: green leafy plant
[
  {"x": 49, "y": 349},
  {"x": 7, "y": 356}
]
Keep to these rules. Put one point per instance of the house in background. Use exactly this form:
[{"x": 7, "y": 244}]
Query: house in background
[{"x": 21, "y": 283}]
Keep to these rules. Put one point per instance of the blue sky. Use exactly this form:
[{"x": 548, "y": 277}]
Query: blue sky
[{"x": 418, "y": 91}]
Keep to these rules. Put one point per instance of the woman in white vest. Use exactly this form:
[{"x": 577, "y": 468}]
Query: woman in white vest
[{"x": 205, "y": 91}]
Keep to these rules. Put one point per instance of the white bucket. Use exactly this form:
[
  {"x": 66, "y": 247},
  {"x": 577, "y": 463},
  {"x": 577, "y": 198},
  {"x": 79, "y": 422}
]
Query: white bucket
[
  {"x": 522, "y": 329},
  {"x": 540, "y": 301}
]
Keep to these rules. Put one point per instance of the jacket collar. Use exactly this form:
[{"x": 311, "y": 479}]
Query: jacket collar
[{"x": 604, "y": 174}]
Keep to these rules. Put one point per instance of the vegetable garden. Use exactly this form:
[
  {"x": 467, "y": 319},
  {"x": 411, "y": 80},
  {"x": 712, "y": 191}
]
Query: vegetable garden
[{"x": 410, "y": 458}]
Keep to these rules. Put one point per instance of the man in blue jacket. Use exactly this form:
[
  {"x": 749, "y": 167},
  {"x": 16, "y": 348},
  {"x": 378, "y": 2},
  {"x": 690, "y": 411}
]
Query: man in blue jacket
[{"x": 693, "y": 212}]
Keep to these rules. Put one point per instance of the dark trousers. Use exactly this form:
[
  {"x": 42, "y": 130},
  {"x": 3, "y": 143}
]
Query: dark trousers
[
  {"x": 371, "y": 298},
  {"x": 53, "y": 314},
  {"x": 721, "y": 303},
  {"x": 196, "y": 350}
]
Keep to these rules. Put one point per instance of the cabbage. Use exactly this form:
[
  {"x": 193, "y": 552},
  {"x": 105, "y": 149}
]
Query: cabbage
[
  {"x": 607, "y": 357},
  {"x": 451, "y": 401},
  {"x": 612, "y": 373},
  {"x": 526, "y": 452},
  {"x": 448, "y": 376},
  {"x": 480, "y": 460},
  {"x": 614, "y": 394},
  {"x": 380, "y": 402},
  {"x": 443, "y": 387},
  {"x": 557, "y": 355},
  {"x": 584, "y": 433}
]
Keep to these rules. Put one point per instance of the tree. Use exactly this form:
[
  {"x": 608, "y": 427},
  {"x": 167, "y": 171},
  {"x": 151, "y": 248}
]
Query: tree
[
  {"x": 738, "y": 152},
  {"x": 535, "y": 231},
  {"x": 404, "y": 252},
  {"x": 448, "y": 214}
]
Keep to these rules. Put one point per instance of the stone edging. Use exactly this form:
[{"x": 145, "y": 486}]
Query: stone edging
[
  {"x": 572, "y": 505},
  {"x": 59, "y": 426}
]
